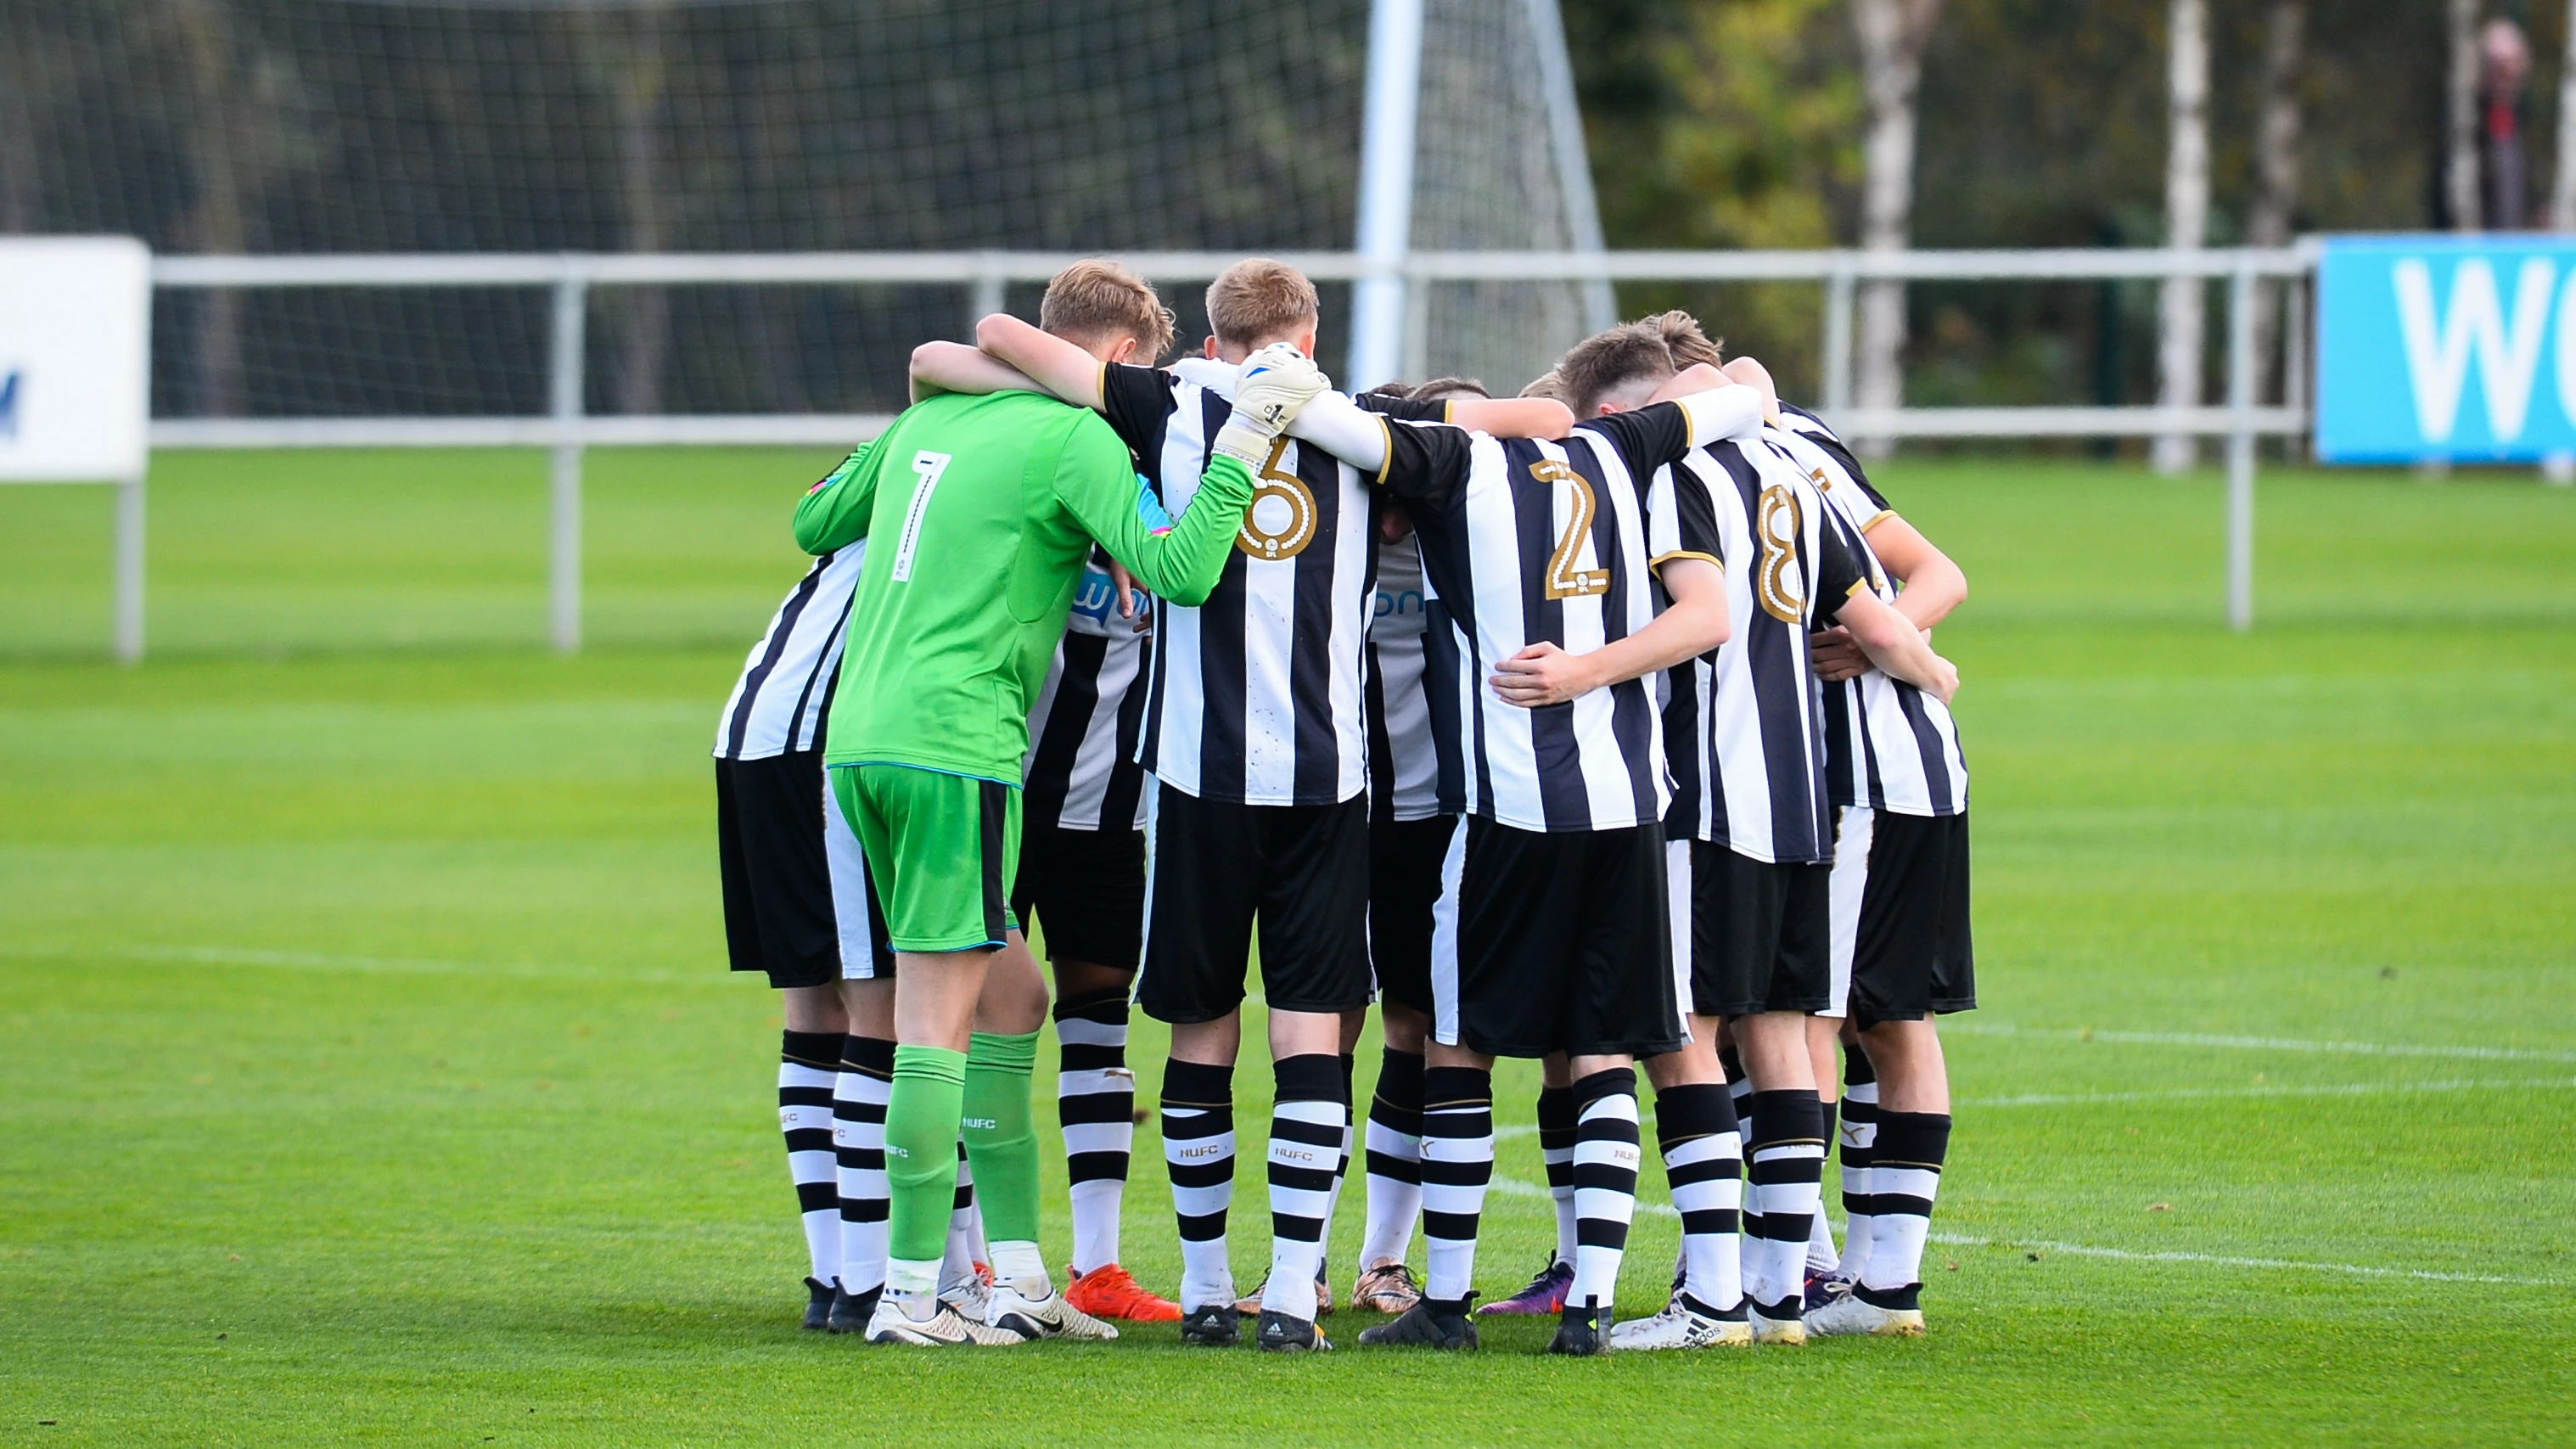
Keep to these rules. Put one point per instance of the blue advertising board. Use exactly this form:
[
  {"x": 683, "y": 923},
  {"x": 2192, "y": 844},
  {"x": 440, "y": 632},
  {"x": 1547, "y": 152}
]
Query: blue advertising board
[{"x": 2446, "y": 347}]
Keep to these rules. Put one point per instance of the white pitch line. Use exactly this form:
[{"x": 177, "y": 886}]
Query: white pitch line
[
  {"x": 2221, "y": 1260},
  {"x": 2079, "y": 1099},
  {"x": 2260, "y": 1043},
  {"x": 1510, "y": 1187}
]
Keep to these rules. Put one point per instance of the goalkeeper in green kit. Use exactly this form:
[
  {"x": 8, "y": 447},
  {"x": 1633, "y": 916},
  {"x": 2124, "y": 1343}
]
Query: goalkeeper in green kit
[{"x": 979, "y": 513}]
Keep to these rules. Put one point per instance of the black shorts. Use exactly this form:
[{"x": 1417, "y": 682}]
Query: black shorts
[
  {"x": 1564, "y": 944},
  {"x": 1901, "y": 915},
  {"x": 797, "y": 901},
  {"x": 1405, "y": 857},
  {"x": 1761, "y": 934},
  {"x": 1303, "y": 869},
  {"x": 1086, "y": 890}
]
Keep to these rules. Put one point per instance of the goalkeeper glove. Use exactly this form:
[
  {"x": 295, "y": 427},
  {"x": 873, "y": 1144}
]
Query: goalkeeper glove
[{"x": 1274, "y": 384}]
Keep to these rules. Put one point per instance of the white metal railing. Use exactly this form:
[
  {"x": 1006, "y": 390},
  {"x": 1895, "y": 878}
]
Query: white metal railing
[{"x": 567, "y": 427}]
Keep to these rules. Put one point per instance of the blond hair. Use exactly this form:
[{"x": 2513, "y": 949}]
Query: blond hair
[
  {"x": 1683, "y": 337},
  {"x": 1095, "y": 301},
  {"x": 1258, "y": 300}
]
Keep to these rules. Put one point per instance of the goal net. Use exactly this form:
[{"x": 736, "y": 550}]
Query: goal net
[{"x": 537, "y": 126}]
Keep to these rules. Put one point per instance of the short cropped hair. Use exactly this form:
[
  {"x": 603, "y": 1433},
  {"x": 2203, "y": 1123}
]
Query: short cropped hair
[
  {"x": 1258, "y": 300},
  {"x": 1546, "y": 384},
  {"x": 1095, "y": 301},
  {"x": 1650, "y": 349}
]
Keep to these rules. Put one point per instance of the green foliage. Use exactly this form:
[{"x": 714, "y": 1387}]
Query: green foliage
[{"x": 368, "y": 1072}]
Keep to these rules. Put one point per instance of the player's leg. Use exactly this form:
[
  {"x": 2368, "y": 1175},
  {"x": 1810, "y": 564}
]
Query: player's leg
[
  {"x": 1702, "y": 1147},
  {"x": 1858, "y": 1139},
  {"x": 1394, "y": 1157},
  {"x": 1002, "y": 1143},
  {"x": 939, "y": 847},
  {"x": 1545, "y": 1292},
  {"x": 1857, "y": 1128},
  {"x": 862, "y": 1075},
  {"x": 1411, "y": 918},
  {"x": 1457, "y": 1144},
  {"x": 1914, "y": 960},
  {"x": 1621, "y": 1005},
  {"x": 770, "y": 821},
  {"x": 1199, "y": 904},
  {"x": 1314, "y": 968},
  {"x": 808, "y": 1059},
  {"x": 1772, "y": 923},
  {"x": 1087, "y": 890},
  {"x": 859, "y": 1091}
]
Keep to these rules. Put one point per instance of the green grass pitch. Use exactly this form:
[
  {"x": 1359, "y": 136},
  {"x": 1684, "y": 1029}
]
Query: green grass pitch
[{"x": 368, "y": 1072}]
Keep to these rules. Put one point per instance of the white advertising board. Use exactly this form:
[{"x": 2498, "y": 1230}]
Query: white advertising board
[{"x": 75, "y": 359}]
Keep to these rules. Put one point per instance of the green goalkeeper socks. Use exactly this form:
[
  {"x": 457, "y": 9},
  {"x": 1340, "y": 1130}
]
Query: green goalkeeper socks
[
  {"x": 922, "y": 1109},
  {"x": 1002, "y": 1139}
]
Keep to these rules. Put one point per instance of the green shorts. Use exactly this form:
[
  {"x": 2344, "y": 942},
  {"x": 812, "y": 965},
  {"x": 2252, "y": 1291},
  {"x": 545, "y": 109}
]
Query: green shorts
[{"x": 941, "y": 849}]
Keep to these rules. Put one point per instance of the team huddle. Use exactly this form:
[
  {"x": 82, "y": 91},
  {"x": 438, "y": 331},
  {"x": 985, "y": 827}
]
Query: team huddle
[{"x": 1598, "y": 725}]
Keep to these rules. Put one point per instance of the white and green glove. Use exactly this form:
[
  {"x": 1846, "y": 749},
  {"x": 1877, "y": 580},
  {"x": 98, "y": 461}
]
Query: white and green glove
[{"x": 1274, "y": 384}]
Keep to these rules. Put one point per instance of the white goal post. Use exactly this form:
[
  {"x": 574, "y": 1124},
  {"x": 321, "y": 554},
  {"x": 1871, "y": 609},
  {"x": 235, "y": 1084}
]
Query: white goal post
[{"x": 567, "y": 427}]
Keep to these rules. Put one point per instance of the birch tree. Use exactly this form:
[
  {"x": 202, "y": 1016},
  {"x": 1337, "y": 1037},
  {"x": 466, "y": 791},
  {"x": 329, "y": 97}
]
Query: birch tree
[
  {"x": 2460, "y": 120},
  {"x": 1892, "y": 37},
  {"x": 627, "y": 57},
  {"x": 2276, "y": 159},
  {"x": 2181, "y": 313}
]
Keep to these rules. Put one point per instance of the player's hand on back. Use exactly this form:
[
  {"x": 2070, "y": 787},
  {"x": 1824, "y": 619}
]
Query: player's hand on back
[
  {"x": 1274, "y": 384},
  {"x": 1542, "y": 674},
  {"x": 1836, "y": 656}
]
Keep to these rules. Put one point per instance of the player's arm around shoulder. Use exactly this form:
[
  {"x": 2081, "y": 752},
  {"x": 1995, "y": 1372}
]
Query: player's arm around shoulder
[
  {"x": 1053, "y": 365},
  {"x": 939, "y": 367},
  {"x": 834, "y": 512},
  {"x": 1175, "y": 558},
  {"x": 1544, "y": 674}
]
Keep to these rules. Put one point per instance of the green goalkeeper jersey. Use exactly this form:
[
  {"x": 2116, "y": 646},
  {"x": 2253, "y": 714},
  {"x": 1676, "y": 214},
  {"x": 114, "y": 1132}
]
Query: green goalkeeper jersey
[{"x": 979, "y": 512}]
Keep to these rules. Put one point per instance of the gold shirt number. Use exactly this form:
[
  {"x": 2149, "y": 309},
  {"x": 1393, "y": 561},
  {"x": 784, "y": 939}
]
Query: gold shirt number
[
  {"x": 1276, "y": 488},
  {"x": 1779, "y": 586},
  {"x": 1564, "y": 580}
]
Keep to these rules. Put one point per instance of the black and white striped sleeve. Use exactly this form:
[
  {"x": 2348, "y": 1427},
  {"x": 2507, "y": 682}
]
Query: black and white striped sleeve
[
  {"x": 1839, "y": 572},
  {"x": 1136, "y": 400},
  {"x": 1428, "y": 463}
]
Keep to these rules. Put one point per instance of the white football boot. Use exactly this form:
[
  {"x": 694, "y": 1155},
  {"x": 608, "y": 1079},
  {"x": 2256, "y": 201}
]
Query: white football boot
[
  {"x": 945, "y": 1328},
  {"x": 1681, "y": 1325},
  {"x": 1853, "y": 1314},
  {"x": 1013, "y": 1309}
]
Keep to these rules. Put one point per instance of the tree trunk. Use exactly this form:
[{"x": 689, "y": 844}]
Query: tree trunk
[
  {"x": 2180, "y": 317},
  {"x": 1892, "y": 37},
  {"x": 2562, "y": 185},
  {"x": 645, "y": 344},
  {"x": 217, "y": 220},
  {"x": 2276, "y": 163},
  {"x": 2460, "y": 121}
]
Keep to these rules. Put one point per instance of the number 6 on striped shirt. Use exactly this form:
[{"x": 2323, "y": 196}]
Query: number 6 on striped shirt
[{"x": 928, "y": 466}]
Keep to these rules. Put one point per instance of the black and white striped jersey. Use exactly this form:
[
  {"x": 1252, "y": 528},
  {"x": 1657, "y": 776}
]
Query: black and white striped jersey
[
  {"x": 1404, "y": 763},
  {"x": 1525, "y": 541},
  {"x": 1255, "y": 695},
  {"x": 785, "y": 691},
  {"x": 1081, "y": 772},
  {"x": 1747, "y": 722},
  {"x": 1888, "y": 745}
]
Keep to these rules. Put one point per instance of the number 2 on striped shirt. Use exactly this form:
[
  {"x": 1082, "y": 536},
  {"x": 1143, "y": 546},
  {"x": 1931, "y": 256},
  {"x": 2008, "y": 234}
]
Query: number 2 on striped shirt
[
  {"x": 927, "y": 466},
  {"x": 1564, "y": 580}
]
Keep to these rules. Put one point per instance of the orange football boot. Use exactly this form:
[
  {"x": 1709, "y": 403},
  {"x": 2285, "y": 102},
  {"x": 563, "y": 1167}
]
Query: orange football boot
[{"x": 1110, "y": 1291}]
